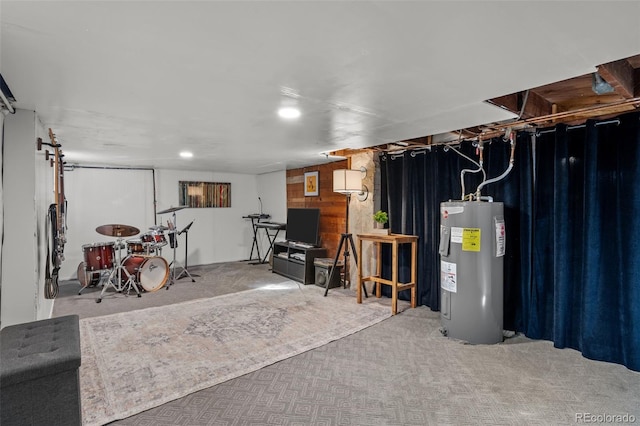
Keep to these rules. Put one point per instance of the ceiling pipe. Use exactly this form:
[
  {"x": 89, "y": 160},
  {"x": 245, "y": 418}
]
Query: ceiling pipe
[
  {"x": 5, "y": 96},
  {"x": 581, "y": 113},
  {"x": 7, "y": 104}
]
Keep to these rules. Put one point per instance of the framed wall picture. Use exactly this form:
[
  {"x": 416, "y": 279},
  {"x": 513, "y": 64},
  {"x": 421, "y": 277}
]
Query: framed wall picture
[
  {"x": 311, "y": 184},
  {"x": 204, "y": 194}
]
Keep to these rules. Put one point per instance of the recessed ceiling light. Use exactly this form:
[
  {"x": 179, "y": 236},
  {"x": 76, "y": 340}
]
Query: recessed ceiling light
[
  {"x": 186, "y": 154},
  {"x": 289, "y": 112}
]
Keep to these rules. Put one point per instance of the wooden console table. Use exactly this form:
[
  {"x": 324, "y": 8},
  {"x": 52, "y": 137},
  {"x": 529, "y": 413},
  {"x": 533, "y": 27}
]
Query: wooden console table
[{"x": 395, "y": 240}]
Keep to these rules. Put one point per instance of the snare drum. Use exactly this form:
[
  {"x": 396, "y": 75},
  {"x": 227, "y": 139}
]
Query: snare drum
[
  {"x": 98, "y": 256},
  {"x": 151, "y": 272},
  {"x": 136, "y": 246}
]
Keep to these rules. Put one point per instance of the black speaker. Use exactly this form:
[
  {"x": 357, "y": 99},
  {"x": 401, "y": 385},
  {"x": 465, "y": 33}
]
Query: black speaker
[{"x": 322, "y": 276}]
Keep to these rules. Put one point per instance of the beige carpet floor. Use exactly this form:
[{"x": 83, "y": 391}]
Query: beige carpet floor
[{"x": 400, "y": 371}]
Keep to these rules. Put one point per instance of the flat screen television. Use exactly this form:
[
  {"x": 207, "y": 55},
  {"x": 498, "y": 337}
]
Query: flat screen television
[{"x": 303, "y": 226}]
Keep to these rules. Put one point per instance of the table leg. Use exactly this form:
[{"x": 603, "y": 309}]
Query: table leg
[
  {"x": 414, "y": 263},
  {"x": 378, "y": 248},
  {"x": 394, "y": 279},
  {"x": 255, "y": 240},
  {"x": 359, "y": 290}
]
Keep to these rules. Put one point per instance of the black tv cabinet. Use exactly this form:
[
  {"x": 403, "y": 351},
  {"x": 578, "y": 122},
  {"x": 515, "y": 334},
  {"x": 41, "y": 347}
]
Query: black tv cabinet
[{"x": 294, "y": 261}]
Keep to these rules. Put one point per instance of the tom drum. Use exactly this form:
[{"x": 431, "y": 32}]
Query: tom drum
[{"x": 98, "y": 256}]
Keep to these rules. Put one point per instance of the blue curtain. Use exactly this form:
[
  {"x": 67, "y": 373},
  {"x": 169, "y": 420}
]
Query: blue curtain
[
  {"x": 586, "y": 286},
  {"x": 413, "y": 204},
  {"x": 413, "y": 186},
  {"x": 573, "y": 231}
]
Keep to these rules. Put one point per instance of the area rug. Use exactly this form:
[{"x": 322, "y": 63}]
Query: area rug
[{"x": 138, "y": 360}]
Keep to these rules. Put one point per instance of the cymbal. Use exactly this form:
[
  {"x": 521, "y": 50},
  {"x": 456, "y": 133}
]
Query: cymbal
[
  {"x": 115, "y": 230},
  {"x": 172, "y": 209},
  {"x": 159, "y": 228}
]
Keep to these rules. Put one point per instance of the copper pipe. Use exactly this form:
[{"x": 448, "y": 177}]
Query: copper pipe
[
  {"x": 499, "y": 129},
  {"x": 576, "y": 113}
]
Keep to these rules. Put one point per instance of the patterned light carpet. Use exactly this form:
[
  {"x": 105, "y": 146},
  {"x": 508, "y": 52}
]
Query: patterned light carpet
[
  {"x": 137, "y": 360},
  {"x": 403, "y": 372},
  {"x": 400, "y": 371}
]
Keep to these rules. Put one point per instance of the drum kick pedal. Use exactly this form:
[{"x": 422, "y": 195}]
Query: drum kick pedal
[{"x": 130, "y": 283}]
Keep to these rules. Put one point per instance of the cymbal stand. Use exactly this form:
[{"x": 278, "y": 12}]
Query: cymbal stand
[
  {"x": 185, "y": 270},
  {"x": 115, "y": 277},
  {"x": 149, "y": 249},
  {"x": 174, "y": 262},
  {"x": 131, "y": 278}
]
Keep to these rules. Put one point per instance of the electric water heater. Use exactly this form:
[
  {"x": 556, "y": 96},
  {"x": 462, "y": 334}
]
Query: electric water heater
[{"x": 472, "y": 246}]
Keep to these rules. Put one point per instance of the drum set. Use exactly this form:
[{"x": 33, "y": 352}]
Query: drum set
[{"x": 141, "y": 268}]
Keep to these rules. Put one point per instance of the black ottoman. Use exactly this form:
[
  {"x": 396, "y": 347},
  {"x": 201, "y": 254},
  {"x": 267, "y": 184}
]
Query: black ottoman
[{"x": 39, "y": 373}]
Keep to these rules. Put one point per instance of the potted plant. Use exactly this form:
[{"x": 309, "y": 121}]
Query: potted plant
[{"x": 380, "y": 219}]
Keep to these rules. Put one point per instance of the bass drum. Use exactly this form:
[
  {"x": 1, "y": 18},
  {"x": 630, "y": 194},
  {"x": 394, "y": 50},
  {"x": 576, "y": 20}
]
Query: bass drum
[
  {"x": 87, "y": 278},
  {"x": 151, "y": 272}
]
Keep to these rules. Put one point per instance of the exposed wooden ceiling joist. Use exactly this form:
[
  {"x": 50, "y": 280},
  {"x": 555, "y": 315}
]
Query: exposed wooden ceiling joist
[
  {"x": 569, "y": 101},
  {"x": 574, "y": 100},
  {"x": 620, "y": 75},
  {"x": 534, "y": 104},
  {"x": 600, "y": 111}
]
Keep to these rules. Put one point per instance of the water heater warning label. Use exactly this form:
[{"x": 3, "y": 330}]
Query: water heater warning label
[
  {"x": 456, "y": 235},
  {"x": 471, "y": 239},
  {"x": 448, "y": 278},
  {"x": 500, "y": 236}
]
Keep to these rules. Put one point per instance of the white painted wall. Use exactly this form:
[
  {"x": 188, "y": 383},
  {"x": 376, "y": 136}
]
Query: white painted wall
[
  {"x": 43, "y": 197},
  {"x": 217, "y": 234},
  {"x": 99, "y": 196},
  {"x": 272, "y": 189},
  {"x": 1, "y": 208},
  {"x": 27, "y": 193},
  {"x": 1, "y": 203},
  {"x": 107, "y": 196},
  {"x": 104, "y": 196}
]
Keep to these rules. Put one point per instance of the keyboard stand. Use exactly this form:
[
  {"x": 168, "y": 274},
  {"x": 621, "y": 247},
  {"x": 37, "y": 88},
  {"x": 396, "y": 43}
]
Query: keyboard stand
[
  {"x": 255, "y": 219},
  {"x": 272, "y": 238}
]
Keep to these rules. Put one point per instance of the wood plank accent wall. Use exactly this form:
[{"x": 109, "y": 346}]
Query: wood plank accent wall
[{"x": 333, "y": 206}]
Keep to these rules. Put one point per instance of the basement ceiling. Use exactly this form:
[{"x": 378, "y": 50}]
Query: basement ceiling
[
  {"x": 134, "y": 83},
  {"x": 570, "y": 101}
]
